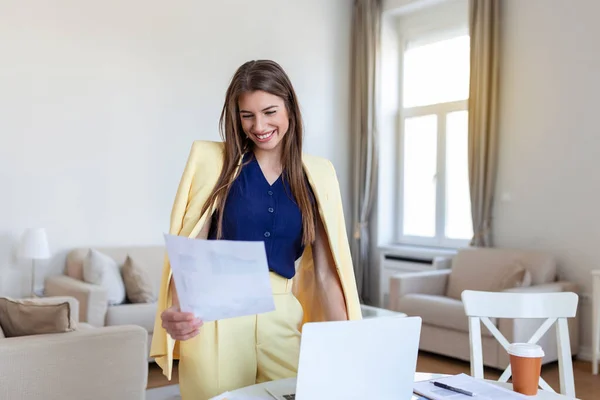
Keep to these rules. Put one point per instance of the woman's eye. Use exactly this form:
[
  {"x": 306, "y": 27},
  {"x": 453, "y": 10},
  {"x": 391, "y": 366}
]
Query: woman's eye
[
  {"x": 247, "y": 116},
  {"x": 270, "y": 112}
]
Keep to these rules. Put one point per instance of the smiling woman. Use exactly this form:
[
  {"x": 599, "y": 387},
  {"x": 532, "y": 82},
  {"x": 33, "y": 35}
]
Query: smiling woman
[
  {"x": 261, "y": 114},
  {"x": 258, "y": 186}
]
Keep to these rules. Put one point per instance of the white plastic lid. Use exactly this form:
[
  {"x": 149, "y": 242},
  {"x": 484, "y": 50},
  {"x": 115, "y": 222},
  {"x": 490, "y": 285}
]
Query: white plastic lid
[{"x": 525, "y": 350}]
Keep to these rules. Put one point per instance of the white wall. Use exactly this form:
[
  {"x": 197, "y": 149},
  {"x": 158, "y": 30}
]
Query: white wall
[
  {"x": 548, "y": 186},
  {"x": 100, "y": 101}
]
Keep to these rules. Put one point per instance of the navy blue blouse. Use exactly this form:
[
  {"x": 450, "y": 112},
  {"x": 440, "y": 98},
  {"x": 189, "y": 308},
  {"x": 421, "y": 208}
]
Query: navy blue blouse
[{"x": 257, "y": 211}]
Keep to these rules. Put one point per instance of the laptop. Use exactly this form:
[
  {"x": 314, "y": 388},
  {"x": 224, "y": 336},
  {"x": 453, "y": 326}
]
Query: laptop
[{"x": 373, "y": 358}]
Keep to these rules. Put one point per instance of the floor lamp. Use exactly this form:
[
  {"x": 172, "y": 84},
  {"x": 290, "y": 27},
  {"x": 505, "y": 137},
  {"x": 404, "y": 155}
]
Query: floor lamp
[{"x": 34, "y": 246}]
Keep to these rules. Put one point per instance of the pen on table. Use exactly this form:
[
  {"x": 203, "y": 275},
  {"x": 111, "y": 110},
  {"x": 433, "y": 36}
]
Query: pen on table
[{"x": 454, "y": 389}]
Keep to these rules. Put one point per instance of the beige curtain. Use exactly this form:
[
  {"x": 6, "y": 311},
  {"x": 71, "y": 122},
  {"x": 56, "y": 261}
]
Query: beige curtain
[
  {"x": 365, "y": 52},
  {"x": 484, "y": 25}
]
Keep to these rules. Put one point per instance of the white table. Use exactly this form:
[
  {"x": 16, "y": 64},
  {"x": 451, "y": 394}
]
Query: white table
[
  {"x": 258, "y": 391},
  {"x": 595, "y": 320}
]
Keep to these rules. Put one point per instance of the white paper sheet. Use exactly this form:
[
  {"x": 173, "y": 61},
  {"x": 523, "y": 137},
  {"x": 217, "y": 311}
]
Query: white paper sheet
[
  {"x": 219, "y": 279},
  {"x": 482, "y": 390}
]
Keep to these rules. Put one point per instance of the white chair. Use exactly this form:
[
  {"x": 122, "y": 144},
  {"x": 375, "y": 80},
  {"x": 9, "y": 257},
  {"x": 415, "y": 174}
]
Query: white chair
[{"x": 554, "y": 307}]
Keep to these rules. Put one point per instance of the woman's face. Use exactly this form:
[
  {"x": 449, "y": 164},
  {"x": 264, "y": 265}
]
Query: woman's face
[{"x": 264, "y": 118}]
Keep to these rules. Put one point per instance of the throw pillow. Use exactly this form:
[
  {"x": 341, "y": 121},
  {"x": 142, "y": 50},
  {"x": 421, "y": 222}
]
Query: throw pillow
[
  {"x": 475, "y": 270},
  {"x": 137, "y": 282},
  {"x": 74, "y": 264},
  {"x": 34, "y": 317},
  {"x": 511, "y": 277},
  {"x": 100, "y": 269},
  {"x": 526, "y": 280}
]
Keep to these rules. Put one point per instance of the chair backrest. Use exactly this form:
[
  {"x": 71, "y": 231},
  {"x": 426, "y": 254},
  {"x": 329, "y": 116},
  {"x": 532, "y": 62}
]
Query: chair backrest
[{"x": 554, "y": 307}]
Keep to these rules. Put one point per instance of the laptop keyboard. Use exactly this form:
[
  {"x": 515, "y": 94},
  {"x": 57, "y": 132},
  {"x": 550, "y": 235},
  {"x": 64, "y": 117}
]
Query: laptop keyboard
[{"x": 289, "y": 396}]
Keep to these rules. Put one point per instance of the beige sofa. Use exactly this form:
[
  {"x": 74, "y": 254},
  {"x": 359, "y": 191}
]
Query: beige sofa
[
  {"x": 435, "y": 296},
  {"x": 94, "y": 307},
  {"x": 87, "y": 363}
]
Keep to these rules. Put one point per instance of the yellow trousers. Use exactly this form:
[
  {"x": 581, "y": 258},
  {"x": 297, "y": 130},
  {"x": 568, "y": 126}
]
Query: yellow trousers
[{"x": 238, "y": 352}]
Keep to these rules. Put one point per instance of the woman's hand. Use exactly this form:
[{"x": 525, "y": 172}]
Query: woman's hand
[{"x": 180, "y": 325}]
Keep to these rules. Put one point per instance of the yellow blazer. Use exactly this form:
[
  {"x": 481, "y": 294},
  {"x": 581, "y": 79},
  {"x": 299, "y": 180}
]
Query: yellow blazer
[{"x": 199, "y": 177}]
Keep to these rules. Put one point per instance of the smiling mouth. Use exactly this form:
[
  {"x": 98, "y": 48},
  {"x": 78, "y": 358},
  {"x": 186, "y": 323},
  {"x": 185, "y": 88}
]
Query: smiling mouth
[{"x": 266, "y": 136}]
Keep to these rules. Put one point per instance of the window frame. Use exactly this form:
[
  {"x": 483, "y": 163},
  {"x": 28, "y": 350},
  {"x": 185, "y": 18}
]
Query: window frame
[{"x": 420, "y": 37}]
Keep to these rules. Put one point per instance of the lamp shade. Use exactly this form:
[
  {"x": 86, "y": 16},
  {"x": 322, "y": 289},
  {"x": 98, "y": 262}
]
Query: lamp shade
[{"x": 34, "y": 244}]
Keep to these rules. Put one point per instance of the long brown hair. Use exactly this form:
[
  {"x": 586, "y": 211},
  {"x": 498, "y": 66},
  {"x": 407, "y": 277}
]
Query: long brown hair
[{"x": 267, "y": 76}]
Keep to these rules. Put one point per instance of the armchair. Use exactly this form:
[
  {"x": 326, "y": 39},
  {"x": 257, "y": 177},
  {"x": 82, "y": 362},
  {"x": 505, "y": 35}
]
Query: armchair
[
  {"x": 435, "y": 297},
  {"x": 94, "y": 306},
  {"x": 87, "y": 363}
]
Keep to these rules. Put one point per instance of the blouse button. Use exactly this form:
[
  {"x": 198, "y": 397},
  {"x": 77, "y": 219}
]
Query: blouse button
[
  {"x": 267, "y": 234},
  {"x": 270, "y": 192},
  {"x": 271, "y": 209}
]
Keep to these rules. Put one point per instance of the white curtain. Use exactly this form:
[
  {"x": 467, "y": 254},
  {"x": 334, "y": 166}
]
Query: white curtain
[
  {"x": 484, "y": 25},
  {"x": 365, "y": 53}
]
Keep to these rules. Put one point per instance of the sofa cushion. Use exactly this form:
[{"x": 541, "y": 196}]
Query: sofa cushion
[
  {"x": 485, "y": 271},
  {"x": 439, "y": 311},
  {"x": 25, "y": 317},
  {"x": 152, "y": 258},
  {"x": 74, "y": 263},
  {"x": 138, "y": 285},
  {"x": 100, "y": 269},
  {"x": 542, "y": 266},
  {"x": 142, "y": 314},
  {"x": 84, "y": 326},
  {"x": 2, "y": 336}
]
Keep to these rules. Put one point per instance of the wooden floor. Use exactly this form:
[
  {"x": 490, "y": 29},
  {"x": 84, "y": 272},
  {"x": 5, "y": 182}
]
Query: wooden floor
[
  {"x": 157, "y": 379},
  {"x": 587, "y": 386}
]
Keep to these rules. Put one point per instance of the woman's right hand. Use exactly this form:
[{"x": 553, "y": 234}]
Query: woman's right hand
[{"x": 180, "y": 325}]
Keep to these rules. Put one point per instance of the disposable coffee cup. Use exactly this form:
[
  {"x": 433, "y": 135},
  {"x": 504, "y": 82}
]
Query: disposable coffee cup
[{"x": 526, "y": 365}]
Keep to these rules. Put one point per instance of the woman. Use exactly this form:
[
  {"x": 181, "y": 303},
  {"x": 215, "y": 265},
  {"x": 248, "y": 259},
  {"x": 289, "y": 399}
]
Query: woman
[{"x": 257, "y": 185}]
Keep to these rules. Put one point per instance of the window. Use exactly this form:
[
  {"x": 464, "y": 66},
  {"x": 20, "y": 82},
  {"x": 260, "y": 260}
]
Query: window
[{"x": 435, "y": 206}]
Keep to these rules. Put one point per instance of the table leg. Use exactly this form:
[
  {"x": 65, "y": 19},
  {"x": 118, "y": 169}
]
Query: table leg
[{"x": 596, "y": 323}]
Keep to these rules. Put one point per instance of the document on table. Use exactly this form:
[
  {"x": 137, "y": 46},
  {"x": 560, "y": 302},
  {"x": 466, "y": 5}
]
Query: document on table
[
  {"x": 481, "y": 389},
  {"x": 219, "y": 279}
]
